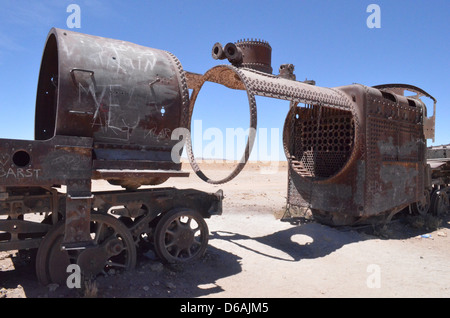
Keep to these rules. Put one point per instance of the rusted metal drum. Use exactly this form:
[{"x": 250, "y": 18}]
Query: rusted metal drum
[{"x": 128, "y": 98}]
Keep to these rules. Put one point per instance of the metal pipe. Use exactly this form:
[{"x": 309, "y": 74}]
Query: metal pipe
[
  {"x": 217, "y": 52},
  {"x": 233, "y": 53}
]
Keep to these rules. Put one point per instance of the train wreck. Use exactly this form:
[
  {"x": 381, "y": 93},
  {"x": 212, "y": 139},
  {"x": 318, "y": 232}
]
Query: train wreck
[{"x": 106, "y": 110}]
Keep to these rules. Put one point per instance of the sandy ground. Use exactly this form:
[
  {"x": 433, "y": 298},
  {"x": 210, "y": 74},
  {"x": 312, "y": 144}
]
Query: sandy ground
[{"x": 253, "y": 254}]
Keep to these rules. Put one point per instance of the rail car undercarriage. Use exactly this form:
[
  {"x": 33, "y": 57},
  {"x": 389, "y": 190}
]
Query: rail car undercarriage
[{"x": 168, "y": 220}]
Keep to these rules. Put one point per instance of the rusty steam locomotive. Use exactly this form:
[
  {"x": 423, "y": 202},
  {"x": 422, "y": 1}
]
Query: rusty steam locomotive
[{"x": 106, "y": 110}]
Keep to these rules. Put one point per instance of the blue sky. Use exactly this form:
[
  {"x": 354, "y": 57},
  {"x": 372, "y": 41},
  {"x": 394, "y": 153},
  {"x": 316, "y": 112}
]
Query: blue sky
[{"x": 327, "y": 41}]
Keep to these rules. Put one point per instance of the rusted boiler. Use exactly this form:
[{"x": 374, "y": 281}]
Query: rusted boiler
[
  {"x": 127, "y": 98},
  {"x": 363, "y": 164},
  {"x": 356, "y": 153}
]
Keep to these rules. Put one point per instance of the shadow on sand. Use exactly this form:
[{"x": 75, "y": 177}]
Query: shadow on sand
[
  {"x": 200, "y": 278},
  {"x": 324, "y": 239}
]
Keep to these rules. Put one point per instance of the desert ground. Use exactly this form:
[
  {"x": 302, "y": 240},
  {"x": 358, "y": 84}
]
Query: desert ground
[{"x": 253, "y": 254}]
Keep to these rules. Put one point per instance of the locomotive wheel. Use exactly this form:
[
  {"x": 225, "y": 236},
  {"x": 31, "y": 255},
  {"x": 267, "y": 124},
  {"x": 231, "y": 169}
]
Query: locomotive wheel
[
  {"x": 421, "y": 207},
  {"x": 181, "y": 235},
  {"x": 440, "y": 202},
  {"x": 115, "y": 249}
]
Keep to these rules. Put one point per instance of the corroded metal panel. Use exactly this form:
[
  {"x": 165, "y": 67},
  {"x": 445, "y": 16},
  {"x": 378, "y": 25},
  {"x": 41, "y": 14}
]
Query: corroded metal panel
[{"x": 45, "y": 163}]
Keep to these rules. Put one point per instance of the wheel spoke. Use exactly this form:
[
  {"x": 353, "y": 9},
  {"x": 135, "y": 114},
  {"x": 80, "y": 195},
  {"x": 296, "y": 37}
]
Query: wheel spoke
[
  {"x": 196, "y": 230},
  {"x": 98, "y": 231},
  {"x": 115, "y": 264},
  {"x": 171, "y": 243},
  {"x": 177, "y": 251}
]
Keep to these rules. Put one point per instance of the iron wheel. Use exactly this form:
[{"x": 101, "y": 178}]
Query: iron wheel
[
  {"x": 440, "y": 202},
  {"x": 181, "y": 235},
  {"x": 115, "y": 249},
  {"x": 421, "y": 207}
]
